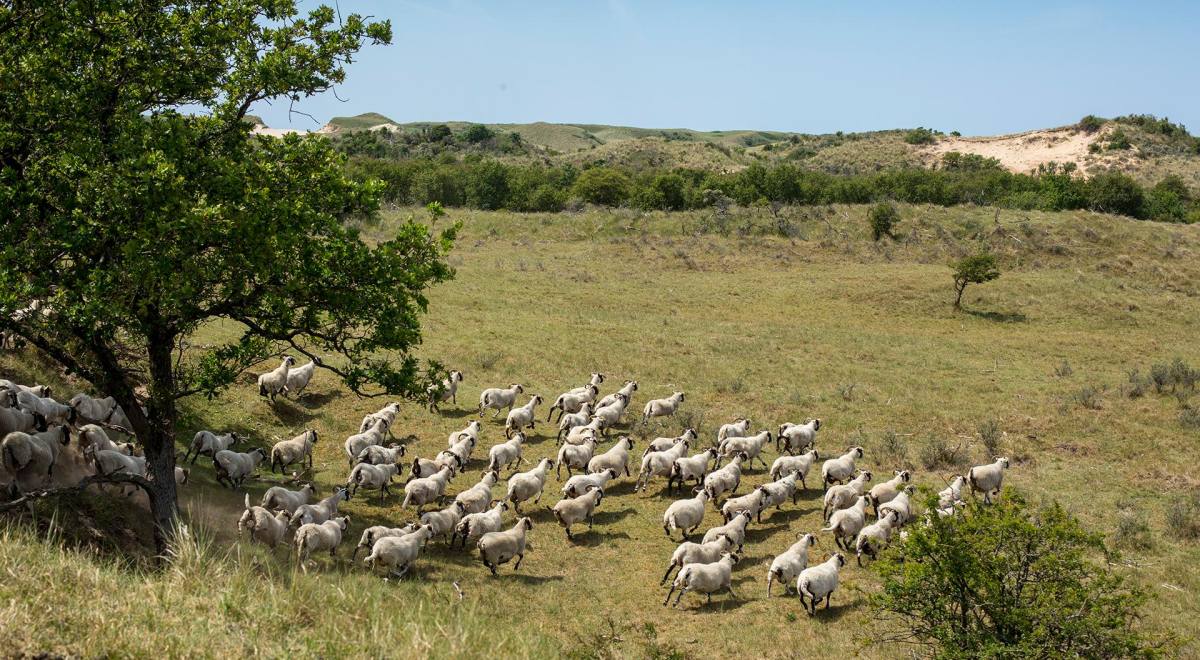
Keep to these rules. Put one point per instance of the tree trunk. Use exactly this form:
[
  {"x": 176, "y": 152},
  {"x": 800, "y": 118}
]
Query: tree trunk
[
  {"x": 958, "y": 298},
  {"x": 160, "y": 440}
]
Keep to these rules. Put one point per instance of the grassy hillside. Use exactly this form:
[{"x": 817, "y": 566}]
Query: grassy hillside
[{"x": 821, "y": 323}]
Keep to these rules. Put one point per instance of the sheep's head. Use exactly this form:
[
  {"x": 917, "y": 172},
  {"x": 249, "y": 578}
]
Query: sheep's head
[
  {"x": 680, "y": 395},
  {"x": 816, "y": 424},
  {"x": 841, "y": 559},
  {"x": 289, "y": 360},
  {"x": 809, "y": 539},
  {"x": 456, "y": 376},
  {"x": 1002, "y": 462},
  {"x": 517, "y": 388},
  {"x": 631, "y": 384},
  {"x": 905, "y": 475},
  {"x": 857, "y": 451},
  {"x": 815, "y": 455},
  {"x": 746, "y": 515},
  {"x": 537, "y": 399},
  {"x": 689, "y": 434},
  {"x": 612, "y": 473},
  {"x": 732, "y": 557},
  {"x": 712, "y": 453},
  {"x": 527, "y": 522},
  {"x": 262, "y": 453},
  {"x": 628, "y": 442},
  {"x": 343, "y": 522},
  {"x": 865, "y": 474}
]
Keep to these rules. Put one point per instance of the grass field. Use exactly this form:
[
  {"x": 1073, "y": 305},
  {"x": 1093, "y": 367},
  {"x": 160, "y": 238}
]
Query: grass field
[{"x": 777, "y": 319}]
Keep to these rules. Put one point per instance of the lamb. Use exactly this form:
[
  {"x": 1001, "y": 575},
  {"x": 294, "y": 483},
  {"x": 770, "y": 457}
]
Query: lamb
[
  {"x": 572, "y": 510},
  {"x": 794, "y": 438},
  {"x": 264, "y": 526},
  {"x": 901, "y": 505},
  {"x": 296, "y": 450},
  {"x": 574, "y": 420},
  {"x": 751, "y": 446},
  {"x": 875, "y": 536},
  {"x": 662, "y": 407},
  {"x": 705, "y": 578},
  {"x": 399, "y": 552},
  {"x": 443, "y": 521},
  {"x": 387, "y": 413},
  {"x": 207, "y": 443},
  {"x": 497, "y": 548},
  {"x": 53, "y": 411},
  {"x": 685, "y": 515},
  {"x": 847, "y": 523},
  {"x": 736, "y": 428},
  {"x": 506, "y": 453},
  {"x": 885, "y": 492},
  {"x": 477, "y": 498},
  {"x": 101, "y": 411},
  {"x": 497, "y": 398},
  {"x": 788, "y": 565},
  {"x": 14, "y": 420},
  {"x": 616, "y": 458},
  {"x": 474, "y": 525},
  {"x": 233, "y": 467},
  {"x": 447, "y": 390},
  {"x": 378, "y": 455},
  {"x": 321, "y": 511},
  {"x": 373, "y": 477},
  {"x": 372, "y": 534},
  {"x": 842, "y": 496},
  {"x": 580, "y": 483},
  {"x": 575, "y": 457},
  {"x": 780, "y": 491},
  {"x": 27, "y": 456},
  {"x": 314, "y": 537},
  {"x": 522, "y": 417},
  {"x": 571, "y": 402},
  {"x": 298, "y": 378},
  {"x": 951, "y": 493},
  {"x": 663, "y": 444},
  {"x": 724, "y": 479},
  {"x": 838, "y": 470},
  {"x": 659, "y": 463},
  {"x": 752, "y": 503},
  {"x": 375, "y": 435},
  {"x": 278, "y": 498},
  {"x": 799, "y": 464},
  {"x": 426, "y": 490},
  {"x": 524, "y": 486},
  {"x": 735, "y": 529},
  {"x": 819, "y": 582},
  {"x": 274, "y": 382},
  {"x": 987, "y": 479},
  {"x": 625, "y": 393},
  {"x": 698, "y": 553}
]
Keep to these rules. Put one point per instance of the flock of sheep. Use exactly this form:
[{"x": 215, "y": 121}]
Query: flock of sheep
[{"x": 861, "y": 520}]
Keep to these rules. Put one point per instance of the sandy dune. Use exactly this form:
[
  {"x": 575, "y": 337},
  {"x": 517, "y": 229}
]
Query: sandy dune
[{"x": 1024, "y": 152}]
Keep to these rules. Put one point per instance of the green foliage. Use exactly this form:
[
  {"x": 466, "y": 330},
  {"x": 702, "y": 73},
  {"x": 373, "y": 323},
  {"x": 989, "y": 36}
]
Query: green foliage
[
  {"x": 1089, "y": 124},
  {"x": 959, "y": 162},
  {"x": 1115, "y": 192},
  {"x": 920, "y": 135},
  {"x": 1008, "y": 580},
  {"x": 602, "y": 185},
  {"x": 973, "y": 269},
  {"x": 1118, "y": 141},
  {"x": 478, "y": 133},
  {"x": 883, "y": 218},
  {"x": 1168, "y": 200}
]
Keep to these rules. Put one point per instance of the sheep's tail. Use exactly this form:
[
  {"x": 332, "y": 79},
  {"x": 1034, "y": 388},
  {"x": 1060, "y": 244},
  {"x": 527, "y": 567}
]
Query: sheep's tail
[
  {"x": 828, "y": 529},
  {"x": 771, "y": 576},
  {"x": 247, "y": 501}
]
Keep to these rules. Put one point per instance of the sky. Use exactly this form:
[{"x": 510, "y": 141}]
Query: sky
[{"x": 979, "y": 67}]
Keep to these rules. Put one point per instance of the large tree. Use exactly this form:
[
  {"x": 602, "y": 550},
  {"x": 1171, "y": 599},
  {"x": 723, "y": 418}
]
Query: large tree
[{"x": 129, "y": 223}]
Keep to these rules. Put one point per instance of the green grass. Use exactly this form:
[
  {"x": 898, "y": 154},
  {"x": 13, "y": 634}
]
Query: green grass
[{"x": 749, "y": 323}]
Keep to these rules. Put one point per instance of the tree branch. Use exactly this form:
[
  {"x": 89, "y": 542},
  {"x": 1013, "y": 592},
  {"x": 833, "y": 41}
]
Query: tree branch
[{"x": 119, "y": 478}]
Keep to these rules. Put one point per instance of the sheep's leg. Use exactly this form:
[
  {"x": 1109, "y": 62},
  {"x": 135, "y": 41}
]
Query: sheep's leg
[
  {"x": 520, "y": 558},
  {"x": 682, "y": 591},
  {"x": 669, "y": 594},
  {"x": 670, "y": 567},
  {"x": 569, "y": 537},
  {"x": 803, "y": 601},
  {"x": 491, "y": 567},
  {"x": 729, "y": 588}
]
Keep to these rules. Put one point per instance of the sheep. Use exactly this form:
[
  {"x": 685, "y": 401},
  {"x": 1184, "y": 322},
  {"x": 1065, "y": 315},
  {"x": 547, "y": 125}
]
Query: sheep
[
  {"x": 233, "y": 467},
  {"x": 264, "y": 526},
  {"x": 27, "y": 455},
  {"x": 477, "y": 498},
  {"x": 752, "y": 503},
  {"x": 685, "y": 515},
  {"x": 99, "y": 411},
  {"x": 274, "y": 382},
  {"x": 524, "y": 486},
  {"x": 751, "y": 446},
  {"x": 399, "y": 552},
  {"x": 610, "y": 415},
  {"x": 522, "y": 417},
  {"x": 987, "y": 479},
  {"x": 208, "y": 443},
  {"x": 372, "y": 534},
  {"x": 659, "y": 463},
  {"x": 662, "y": 407},
  {"x": 572, "y": 510},
  {"x": 498, "y": 398},
  {"x": 875, "y": 536},
  {"x": 901, "y": 505},
  {"x": 471, "y": 429},
  {"x": 794, "y": 438},
  {"x": 313, "y": 537},
  {"x": 373, "y": 477},
  {"x": 725, "y": 478},
  {"x": 387, "y": 413},
  {"x": 705, "y": 578},
  {"x": 735, "y": 529},
  {"x": 181, "y": 475},
  {"x": 460, "y": 452},
  {"x": 506, "y": 453},
  {"x": 446, "y": 390},
  {"x": 297, "y": 379},
  {"x": 787, "y": 565},
  {"x": 625, "y": 393},
  {"x": 278, "y": 498},
  {"x": 574, "y": 420},
  {"x": 885, "y": 492},
  {"x": 426, "y": 490},
  {"x": 423, "y": 467},
  {"x": 497, "y": 548},
  {"x": 375, "y": 435},
  {"x": 575, "y": 457},
  {"x": 378, "y": 455},
  {"x": 475, "y": 525},
  {"x": 799, "y": 464},
  {"x": 579, "y": 434},
  {"x": 951, "y": 493},
  {"x": 115, "y": 461},
  {"x": 594, "y": 381},
  {"x": 321, "y": 511},
  {"x": 736, "y": 428},
  {"x": 616, "y": 458},
  {"x": 53, "y": 411},
  {"x": 36, "y": 390},
  {"x": 663, "y": 444},
  {"x": 91, "y": 435},
  {"x": 780, "y": 491},
  {"x": 847, "y": 523},
  {"x": 580, "y": 483},
  {"x": 296, "y": 450},
  {"x": 841, "y": 468},
  {"x": 842, "y": 496},
  {"x": 15, "y": 420},
  {"x": 443, "y": 521},
  {"x": 819, "y": 582},
  {"x": 571, "y": 402},
  {"x": 698, "y": 553}
]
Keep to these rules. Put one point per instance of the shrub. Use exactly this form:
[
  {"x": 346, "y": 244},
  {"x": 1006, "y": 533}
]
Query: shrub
[
  {"x": 1137, "y": 385},
  {"x": 1189, "y": 417},
  {"x": 1114, "y": 192},
  {"x": 1118, "y": 141},
  {"x": 1183, "y": 516},
  {"x": 1007, "y": 580},
  {"x": 883, "y": 218},
  {"x": 1089, "y": 124},
  {"x": 476, "y": 133},
  {"x": 990, "y": 434},
  {"x": 1132, "y": 531},
  {"x": 602, "y": 185},
  {"x": 937, "y": 453},
  {"x": 973, "y": 269},
  {"x": 920, "y": 135},
  {"x": 1064, "y": 370},
  {"x": 893, "y": 448},
  {"x": 1088, "y": 397}
]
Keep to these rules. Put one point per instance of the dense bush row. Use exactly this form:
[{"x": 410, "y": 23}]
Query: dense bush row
[{"x": 962, "y": 179}]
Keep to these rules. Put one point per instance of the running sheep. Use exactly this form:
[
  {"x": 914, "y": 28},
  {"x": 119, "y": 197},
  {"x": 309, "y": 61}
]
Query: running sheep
[
  {"x": 497, "y": 398},
  {"x": 315, "y": 537},
  {"x": 847, "y": 523},
  {"x": 278, "y": 498},
  {"x": 685, "y": 515},
  {"x": 525, "y": 486},
  {"x": 321, "y": 511},
  {"x": 274, "y": 382},
  {"x": 573, "y": 510},
  {"x": 426, "y": 490},
  {"x": 885, "y": 492},
  {"x": 987, "y": 479},
  {"x": 580, "y": 483},
  {"x": 698, "y": 553},
  {"x": 794, "y": 438},
  {"x": 264, "y": 526},
  {"x": 842, "y": 496},
  {"x": 522, "y": 417},
  {"x": 838, "y": 470},
  {"x": 572, "y": 402},
  {"x": 297, "y": 450},
  {"x": 298, "y": 378},
  {"x": 616, "y": 458},
  {"x": 496, "y": 548},
  {"x": 373, "y": 477},
  {"x": 399, "y": 552},
  {"x": 662, "y": 407},
  {"x": 693, "y": 468},
  {"x": 447, "y": 390},
  {"x": 233, "y": 467},
  {"x": 474, "y": 525},
  {"x": 207, "y": 443},
  {"x": 735, "y": 529},
  {"x": 477, "y": 498},
  {"x": 819, "y": 582},
  {"x": 705, "y": 578},
  {"x": 788, "y": 565}
]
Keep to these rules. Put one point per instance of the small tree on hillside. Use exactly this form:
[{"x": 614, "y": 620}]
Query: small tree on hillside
[
  {"x": 883, "y": 218},
  {"x": 973, "y": 269}
]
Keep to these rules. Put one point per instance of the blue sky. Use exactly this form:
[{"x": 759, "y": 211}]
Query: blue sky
[{"x": 975, "y": 67}]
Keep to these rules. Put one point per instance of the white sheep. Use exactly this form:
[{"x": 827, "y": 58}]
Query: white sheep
[
  {"x": 446, "y": 390},
  {"x": 705, "y": 578},
  {"x": 819, "y": 582},
  {"x": 373, "y": 477},
  {"x": 297, "y": 450},
  {"x": 278, "y": 498},
  {"x": 952, "y": 492},
  {"x": 595, "y": 381},
  {"x": 375, "y": 435},
  {"x": 53, "y": 411},
  {"x": 525, "y": 486},
  {"x": 573, "y": 420},
  {"x": 838, "y": 470},
  {"x": 399, "y": 552},
  {"x": 987, "y": 479},
  {"x": 885, "y": 492},
  {"x": 274, "y": 382},
  {"x": 232, "y": 468},
  {"x": 659, "y": 463},
  {"x": 581, "y": 483},
  {"x": 735, "y": 529},
  {"x": 698, "y": 553},
  {"x": 14, "y": 420},
  {"x": 616, "y": 458},
  {"x": 497, "y": 548},
  {"x": 522, "y": 417},
  {"x": 736, "y": 428},
  {"x": 662, "y": 407},
  {"x": 36, "y": 390},
  {"x": 799, "y": 464},
  {"x": 663, "y": 444},
  {"x": 426, "y": 490},
  {"x": 506, "y": 453},
  {"x": 573, "y": 510},
  {"x": 685, "y": 515},
  {"x": 751, "y": 446},
  {"x": 314, "y": 537},
  {"x": 424, "y": 467},
  {"x": 115, "y": 461},
  {"x": 298, "y": 378},
  {"x": 901, "y": 505},
  {"x": 625, "y": 393},
  {"x": 875, "y": 537},
  {"x": 847, "y": 523},
  {"x": 99, "y": 411},
  {"x": 580, "y": 434},
  {"x": 724, "y": 479},
  {"x": 781, "y": 490},
  {"x": 573, "y": 401},
  {"x": 472, "y": 429},
  {"x": 378, "y": 455},
  {"x": 321, "y": 511},
  {"x": 575, "y": 457},
  {"x": 181, "y": 475},
  {"x": 207, "y": 443},
  {"x": 752, "y": 503},
  {"x": 787, "y": 565},
  {"x": 443, "y": 521},
  {"x": 461, "y": 451},
  {"x": 499, "y": 398},
  {"x": 31, "y": 456},
  {"x": 372, "y": 534},
  {"x": 795, "y": 438},
  {"x": 609, "y": 416},
  {"x": 842, "y": 496},
  {"x": 264, "y": 526},
  {"x": 387, "y": 413},
  {"x": 474, "y": 525},
  {"x": 91, "y": 435},
  {"x": 477, "y": 498}
]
